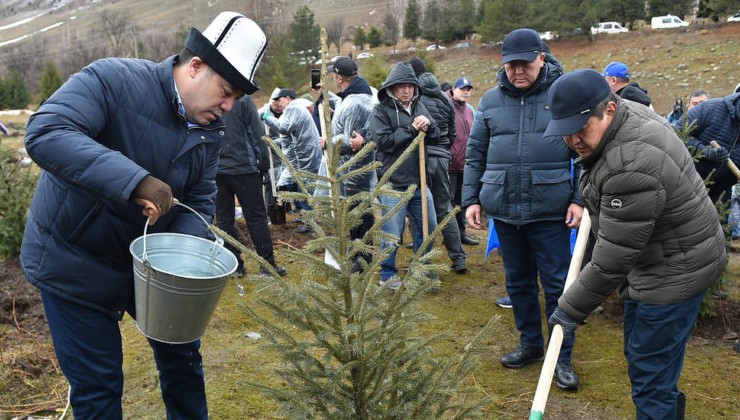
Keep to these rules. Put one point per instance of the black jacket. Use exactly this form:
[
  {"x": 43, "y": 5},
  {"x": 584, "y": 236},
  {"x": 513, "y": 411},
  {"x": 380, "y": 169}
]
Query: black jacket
[
  {"x": 391, "y": 128},
  {"x": 636, "y": 93},
  {"x": 440, "y": 108},
  {"x": 245, "y": 153}
]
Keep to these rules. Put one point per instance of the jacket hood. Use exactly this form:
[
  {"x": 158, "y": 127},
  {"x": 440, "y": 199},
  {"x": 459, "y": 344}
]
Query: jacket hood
[
  {"x": 400, "y": 73},
  {"x": 733, "y": 104},
  {"x": 548, "y": 74},
  {"x": 357, "y": 85}
]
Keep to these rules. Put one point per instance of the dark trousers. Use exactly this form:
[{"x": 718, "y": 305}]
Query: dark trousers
[
  {"x": 439, "y": 183},
  {"x": 535, "y": 248},
  {"x": 655, "y": 339},
  {"x": 359, "y": 231},
  {"x": 456, "y": 181},
  {"x": 88, "y": 346},
  {"x": 248, "y": 189}
]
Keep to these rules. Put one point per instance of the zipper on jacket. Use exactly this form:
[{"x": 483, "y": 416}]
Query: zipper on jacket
[{"x": 519, "y": 163}]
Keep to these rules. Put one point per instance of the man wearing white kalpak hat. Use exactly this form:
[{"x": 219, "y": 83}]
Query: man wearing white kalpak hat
[
  {"x": 658, "y": 237},
  {"x": 118, "y": 143}
]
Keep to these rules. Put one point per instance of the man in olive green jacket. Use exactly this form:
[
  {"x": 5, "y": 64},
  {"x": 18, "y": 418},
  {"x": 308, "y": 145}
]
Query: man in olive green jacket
[{"x": 658, "y": 236}]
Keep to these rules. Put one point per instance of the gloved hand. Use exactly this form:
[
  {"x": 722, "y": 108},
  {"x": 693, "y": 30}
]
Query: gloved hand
[
  {"x": 569, "y": 324},
  {"x": 157, "y": 193},
  {"x": 718, "y": 155},
  {"x": 265, "y": 114}
]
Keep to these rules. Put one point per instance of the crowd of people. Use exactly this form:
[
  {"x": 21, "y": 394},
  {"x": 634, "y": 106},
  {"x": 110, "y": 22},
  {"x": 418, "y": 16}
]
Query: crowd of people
[{"x": 541, "y": 147}]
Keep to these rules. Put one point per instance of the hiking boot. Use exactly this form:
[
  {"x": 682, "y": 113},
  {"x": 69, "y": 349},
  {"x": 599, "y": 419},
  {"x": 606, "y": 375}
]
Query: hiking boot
[
  {"x": 523, "y": 356},
  {"x": 302, "y": 229},
  {"x": 282, "y": 271},
  {"x": 468, "y": 240},
  {"x": 566, "y": 376},
  {"x": 504, "y": 302},
  {"x": 241, "y": 271}
]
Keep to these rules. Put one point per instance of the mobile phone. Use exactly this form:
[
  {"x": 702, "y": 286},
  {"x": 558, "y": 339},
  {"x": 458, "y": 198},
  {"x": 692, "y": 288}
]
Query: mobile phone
[{"x": 315, "y": 78}]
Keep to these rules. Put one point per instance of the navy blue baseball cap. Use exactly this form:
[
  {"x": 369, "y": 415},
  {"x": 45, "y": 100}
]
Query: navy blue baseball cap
[
  {"x": 572, "y": 98},
  {"x": 462, "y": 82},
  {"x": 521, "y": 44}
]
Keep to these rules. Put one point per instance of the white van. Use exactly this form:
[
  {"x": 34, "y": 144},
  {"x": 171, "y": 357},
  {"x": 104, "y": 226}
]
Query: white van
[
  {"x": 667, "y": 21},
  {"x": 608, "y": 28}
]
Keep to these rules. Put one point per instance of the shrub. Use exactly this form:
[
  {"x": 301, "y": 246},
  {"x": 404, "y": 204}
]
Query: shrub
[{"x": 17, "y": 185}]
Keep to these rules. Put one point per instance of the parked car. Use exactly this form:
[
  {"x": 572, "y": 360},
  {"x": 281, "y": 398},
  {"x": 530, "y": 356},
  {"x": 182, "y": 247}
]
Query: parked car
[
  {"x": 436, "y": 47},
  {"x": 734, "y": 18},
  {"x": 608, "y": 28},
  {"x": 463, "y": 45},
  {"x": 364, "y": 55},
  {"x": 548, "y": 35},
  {"x": 667, "y": 21}
]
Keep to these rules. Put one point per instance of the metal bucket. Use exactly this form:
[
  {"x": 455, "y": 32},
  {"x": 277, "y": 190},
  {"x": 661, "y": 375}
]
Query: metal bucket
[{"x": 178, "y": 280}]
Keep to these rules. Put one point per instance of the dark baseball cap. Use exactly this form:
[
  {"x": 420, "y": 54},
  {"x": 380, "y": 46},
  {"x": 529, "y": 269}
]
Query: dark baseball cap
[
  {"x": 284, "y": 92},
  {"x": 572, "y": 98},
  {"x": 344, "y": 66},
  {"x": 462, "y": 82},
  {"x": 522, "y": 44}
]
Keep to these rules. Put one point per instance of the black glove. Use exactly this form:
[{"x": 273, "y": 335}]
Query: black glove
[
  {"x": 718, "y": 155},
  {"x": 569, "y": 324},
  {"x": 155, "y": 191}
]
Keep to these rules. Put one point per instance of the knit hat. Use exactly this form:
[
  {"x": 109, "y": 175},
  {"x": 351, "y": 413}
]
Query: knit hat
[
  {"x": 232, "y": 45},
  {"x": 290, "y": 93},
  {"x": 418, "y": 65},
  {"x": 521, "y": 44},
  {"x": 572, "y": 98}
]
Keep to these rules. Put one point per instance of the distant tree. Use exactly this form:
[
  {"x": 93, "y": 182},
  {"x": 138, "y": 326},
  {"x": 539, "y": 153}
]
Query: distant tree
[
  {"x": 360, "y": 38},
  {"x": 390, "y": 29},
  {"x": 50, "y": 81},
  {"x": 433, "y": 21},
  {"x": 280, "y": 68},
  {"x": 334, "y": 31},
  {"x": 503, "y": 16},
  {"x": 571, "y": 17},
  {"x": 705, "y": 10},
  {"x": 627, "y": 11},
  {"x": 724, "y": 7},
  {"x": 412, "y": 21},
  {"x": 374, "y": 37},
  {"x": 118, "y": 29},
  {"x": 460, "y": 19},
  {"x": 304, "y": 33},
  {"x": 27, "y": 59},
  {"x": 375, "y": 70},
  {"x": 13, "y": 92},
  {"x": 679, "y": 8}
]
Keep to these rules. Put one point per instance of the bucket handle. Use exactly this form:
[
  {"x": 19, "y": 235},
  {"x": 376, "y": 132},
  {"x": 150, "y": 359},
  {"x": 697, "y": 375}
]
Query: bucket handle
[{"x": 219, "y": 241}]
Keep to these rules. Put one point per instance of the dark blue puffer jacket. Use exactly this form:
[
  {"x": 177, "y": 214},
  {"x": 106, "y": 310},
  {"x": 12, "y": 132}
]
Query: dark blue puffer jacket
[
  {"x": 516, "y": 174},
  {"x": 717, "y": 119},
  {"x": 96, "y": 138}
]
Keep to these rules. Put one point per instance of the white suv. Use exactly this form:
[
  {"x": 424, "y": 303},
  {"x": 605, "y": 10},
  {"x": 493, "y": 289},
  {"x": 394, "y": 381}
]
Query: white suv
[{"x": 608, "y": 28}]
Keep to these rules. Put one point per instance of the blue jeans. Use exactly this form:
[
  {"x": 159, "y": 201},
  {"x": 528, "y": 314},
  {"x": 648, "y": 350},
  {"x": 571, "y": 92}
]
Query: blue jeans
[
  {"x": 299, "y": 204},
  {"x": 395, "y": 224},
  {"x": 88, "y": 346},
  {"x": 535, "y": 248},
  {"x": 655, "y": 339}
]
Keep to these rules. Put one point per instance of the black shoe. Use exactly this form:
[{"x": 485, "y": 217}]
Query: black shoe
[
  {"x": 566, "y": 376},
  {"x": 469, "y": 240},
  {"x": 523, "y": 356},
  {"x": 282, "y": 271},
  {"x": 302, "y": 229},
  {"x": 459, "y": 266},
  {"x": 240, "y": 272}
]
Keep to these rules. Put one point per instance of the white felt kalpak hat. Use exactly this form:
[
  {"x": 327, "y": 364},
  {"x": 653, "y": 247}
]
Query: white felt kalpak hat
[{"x": 232, "y": 45}]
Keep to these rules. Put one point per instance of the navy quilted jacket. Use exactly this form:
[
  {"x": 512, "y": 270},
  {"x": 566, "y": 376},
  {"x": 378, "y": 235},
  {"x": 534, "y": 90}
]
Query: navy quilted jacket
[{"x": 96, "y": 138}]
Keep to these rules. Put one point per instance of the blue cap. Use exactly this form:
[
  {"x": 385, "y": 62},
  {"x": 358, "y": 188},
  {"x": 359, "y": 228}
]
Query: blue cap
[
  {"x": 522, "y": 44},
  {"x": 572, "y": 98},
  {"x": 462, "y": 82},
  {"x": 617, "y": 69}
]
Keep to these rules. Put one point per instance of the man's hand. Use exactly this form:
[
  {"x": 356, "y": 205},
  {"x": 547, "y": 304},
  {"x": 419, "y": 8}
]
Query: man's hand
[
  {"x": 574, "y": 215},
  {"x": 155, "y": 196},
  {"x": 421, "y": 123},
  {"x": 472, "y": 214},
  {"x": 322, "y": 142},
  {"x": 569, "y": 324},
  {"x": 718, "y": 155},
  {"x": 356, "y": 141}
]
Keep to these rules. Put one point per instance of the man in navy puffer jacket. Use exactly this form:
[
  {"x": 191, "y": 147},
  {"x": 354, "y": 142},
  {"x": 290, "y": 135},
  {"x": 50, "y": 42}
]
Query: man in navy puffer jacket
[
  {"x": 523, "y": 180},
  {"x": 121, "y": 134}
]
